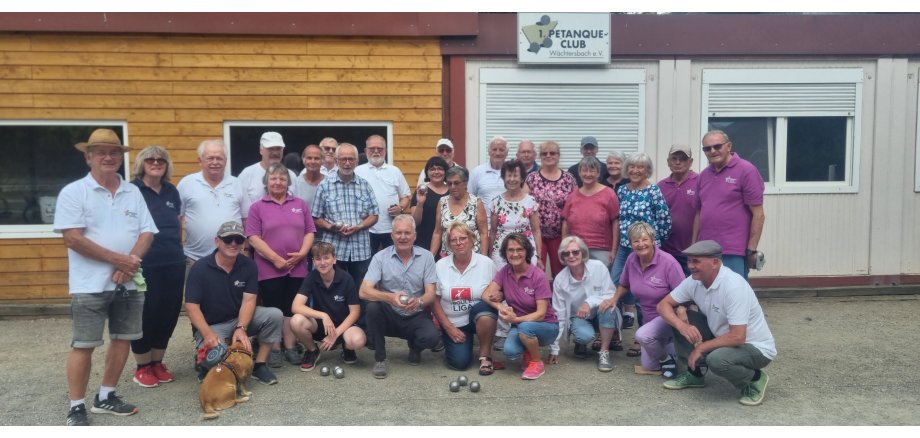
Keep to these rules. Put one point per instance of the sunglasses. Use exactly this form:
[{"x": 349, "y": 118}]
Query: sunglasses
[
  {"x": 155, "y": 160},
  {"x": 715, "y": 146},
  {"x": 548, "y": 154},
  {"x": 570, "y": 253},
  {"x": 236, "y": 238}
]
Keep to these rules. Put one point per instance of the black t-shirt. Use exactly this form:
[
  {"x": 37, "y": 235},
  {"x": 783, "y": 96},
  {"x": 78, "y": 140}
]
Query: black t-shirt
[
  {"x": 164, "y": 208},
  {"x": 220, "y": 294},
  {"x": 425, "y": 230},
  {"x": 335, "y": 299}
]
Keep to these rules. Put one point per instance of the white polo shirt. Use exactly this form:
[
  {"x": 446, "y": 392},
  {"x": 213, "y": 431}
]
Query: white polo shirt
[
  {"x": 388, "y": 184},
  {"x": 206, "y": 208},
  {"x": 251, "y": 180},
  {"x": 729, "y": 301},
  {"x": 459, "y": 292},
  {"x": 569, "y": 294},
  {"x": 486, "y": 183},
  {"x": 112, "y": 223}
]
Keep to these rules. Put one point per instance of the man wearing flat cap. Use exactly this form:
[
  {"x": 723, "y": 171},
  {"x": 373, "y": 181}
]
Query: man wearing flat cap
[
  {"x": 107, "y": 230},
  {"x": 220, "y": 299},
  {"x": 729, "y": 334},
  {"x": 588, "y": 149}
]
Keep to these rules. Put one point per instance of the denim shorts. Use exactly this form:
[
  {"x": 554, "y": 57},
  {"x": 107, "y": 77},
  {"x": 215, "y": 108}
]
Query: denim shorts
[{"x": 124, "y": 310}]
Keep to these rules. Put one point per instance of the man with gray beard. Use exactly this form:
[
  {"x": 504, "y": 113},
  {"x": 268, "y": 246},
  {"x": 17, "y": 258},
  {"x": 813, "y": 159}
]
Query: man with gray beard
[{"x": 390, "y": 189}]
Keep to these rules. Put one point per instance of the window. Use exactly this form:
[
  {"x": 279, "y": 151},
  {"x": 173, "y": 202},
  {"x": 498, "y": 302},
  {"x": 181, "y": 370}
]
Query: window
[
  {"x": 242, "y": 138},
  {"x": 39, "y": 160},
  {"x": 799, "y": 127}
]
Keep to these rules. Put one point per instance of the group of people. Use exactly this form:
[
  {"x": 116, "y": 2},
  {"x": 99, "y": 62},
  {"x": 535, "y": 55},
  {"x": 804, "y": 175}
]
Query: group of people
[{"x": 325, "y": 259}]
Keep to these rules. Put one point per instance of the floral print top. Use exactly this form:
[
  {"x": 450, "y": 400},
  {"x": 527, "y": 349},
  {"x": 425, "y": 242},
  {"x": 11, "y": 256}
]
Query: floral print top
[
  {"x": 467, "y": 216},
  {"x": 644, "y": 205},
  {"x": 513, "y": 217},
  {"x": 551, "y": 196}
]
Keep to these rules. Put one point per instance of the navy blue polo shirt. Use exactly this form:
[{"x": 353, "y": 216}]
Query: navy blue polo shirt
[
  {"x": 333, "y": 300},
  {"x": 220, "y": 294},
  {"x": 165, "y": 208}
]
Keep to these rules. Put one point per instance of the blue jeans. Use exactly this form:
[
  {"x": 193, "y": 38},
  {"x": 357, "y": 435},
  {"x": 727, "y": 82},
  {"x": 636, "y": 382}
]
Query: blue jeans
[
  {"x": 736, "y": 263},
  {"x": 545, "y": 332},
  {"x": 459, "y": 356},
  {"x": 617, "y": 269},
  {"x": 583, "y": 329}
]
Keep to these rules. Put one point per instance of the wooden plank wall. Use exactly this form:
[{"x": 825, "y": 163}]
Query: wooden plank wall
[{"x": 178, "y": 90}]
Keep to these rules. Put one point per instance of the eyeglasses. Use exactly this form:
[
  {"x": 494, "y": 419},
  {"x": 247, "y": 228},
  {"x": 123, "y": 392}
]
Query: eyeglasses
[
  {"x": 236, "y": 238},
  {"x": 715, "y": 146},
  {"x": 460, "y": 239},
  {"x": 679, "y": 158},
  {"x": 548, "y": 154},
  {"x": 155, "y": 160},
  {"x": 568, "y": 254},
  {"x": 455, "y": 183},
  {"x": 329, "y": 149},
  {"x": 346, "y": 159}
]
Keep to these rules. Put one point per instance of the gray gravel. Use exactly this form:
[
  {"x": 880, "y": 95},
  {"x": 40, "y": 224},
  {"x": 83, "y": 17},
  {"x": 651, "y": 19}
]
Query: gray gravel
[{"x": 842, "y": 361}]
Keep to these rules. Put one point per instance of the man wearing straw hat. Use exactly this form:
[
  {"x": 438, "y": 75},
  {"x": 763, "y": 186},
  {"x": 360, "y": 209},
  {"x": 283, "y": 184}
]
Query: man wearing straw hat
[{"x": 107, "y": 229}]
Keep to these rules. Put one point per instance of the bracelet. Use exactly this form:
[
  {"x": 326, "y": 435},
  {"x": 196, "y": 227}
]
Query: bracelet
[{"x": 243, "y": 327}]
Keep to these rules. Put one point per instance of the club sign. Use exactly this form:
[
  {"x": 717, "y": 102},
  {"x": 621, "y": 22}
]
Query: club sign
[{"x": 563, "y": 38}]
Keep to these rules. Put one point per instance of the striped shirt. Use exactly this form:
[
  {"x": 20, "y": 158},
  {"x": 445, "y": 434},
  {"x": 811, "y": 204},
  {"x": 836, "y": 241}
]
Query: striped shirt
[{"x": 350, "y": 203}]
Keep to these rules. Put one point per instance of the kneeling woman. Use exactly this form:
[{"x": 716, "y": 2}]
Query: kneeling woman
[
  {"x": 463, "y": 276},
  {"x": 579, "y": 292},
  {"x": 529, "y": 311},
  {"x": 331, "y": 319}
]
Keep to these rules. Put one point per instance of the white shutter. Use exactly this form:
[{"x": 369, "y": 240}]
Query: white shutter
[{"x": 544, "y": 110}]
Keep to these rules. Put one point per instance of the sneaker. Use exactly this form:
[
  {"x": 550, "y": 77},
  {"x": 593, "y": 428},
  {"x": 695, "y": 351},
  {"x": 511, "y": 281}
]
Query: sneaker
[
  {"x": 499, "y": 343},
  {"x": 533, "y": 371},
  {"x": 581, "y": 350},
  {"x": 668, "y": 367},
  {"x": 752, "y": 394},
  {"x": 77, "y": 416},
  {"x": 274, "y": 359},
  {"x": 628, "y": 321},
  {"x": 415, "y": 356},
  {"x": 291, "y": 355},
  {"x": 380, "y": 369},
  {"x": 309, "y": 359},
  {"x": 439, "y": 347},
  {"x": 349, "y": 356},
  {"x": 145, "y": 377},
  {"x": 685, "y": 380},
  {"x": 264, "y": 375},
  {"x": 113, "y": 404},
  {"x": 525, "y": 360},
  {"x": 163, "y": 374},
  {"x": 604, "y": 363}
]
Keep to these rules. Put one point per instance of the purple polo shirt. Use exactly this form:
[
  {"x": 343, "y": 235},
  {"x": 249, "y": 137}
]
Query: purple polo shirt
[
  {"x": 681, "y": 200},
  {"x": 651, "y": 285},
  {"x": 723, "y": 198},
  {"x": 282, "y": 227},
  {"x": 522, "y": 295}
]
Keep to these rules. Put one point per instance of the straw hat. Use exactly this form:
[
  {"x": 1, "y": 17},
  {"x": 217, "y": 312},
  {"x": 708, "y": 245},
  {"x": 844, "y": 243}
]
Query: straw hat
[{"x": 101, "y": 137}]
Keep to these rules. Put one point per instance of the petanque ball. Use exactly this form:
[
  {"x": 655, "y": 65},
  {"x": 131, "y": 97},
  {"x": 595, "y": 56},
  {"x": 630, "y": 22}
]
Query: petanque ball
[
  {"x": 339, "y": 372},
  {"x": 474, "y": 386},
  {"x": 454, "y": 386},
  {"x": 324, "y": 371},
  {"x": 404, "y": 299},
  {"x": 462, "y": 380}
]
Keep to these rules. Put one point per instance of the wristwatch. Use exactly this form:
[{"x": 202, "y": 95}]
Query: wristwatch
[
  {"x": 243, "y": 327},
  {"x": 750, "y": 251}
]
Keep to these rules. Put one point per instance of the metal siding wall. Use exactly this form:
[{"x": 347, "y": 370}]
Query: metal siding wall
[{"x": 910, "y": 250}]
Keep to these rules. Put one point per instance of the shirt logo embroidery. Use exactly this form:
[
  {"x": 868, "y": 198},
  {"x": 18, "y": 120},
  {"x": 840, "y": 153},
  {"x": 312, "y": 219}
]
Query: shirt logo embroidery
[
  {"x": 296, "y": 210},
  {"x": 228, "y": 195},
  {"x": 131, "y": 214},
  {"x": 731, "y": 180},
  {"x": 690, "y": 192},
  {"x": 238, "y": 283},
  {"x": 528, "y": 290},
  {"x": 338, "y": 298},
  {"x": 171, "y": 205},
  {"x": 461, "y": 293},
  {"x": 655, "y": 281}
]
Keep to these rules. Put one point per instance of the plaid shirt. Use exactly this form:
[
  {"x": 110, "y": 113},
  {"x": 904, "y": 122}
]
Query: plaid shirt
[{"x": 350, "y": 203}]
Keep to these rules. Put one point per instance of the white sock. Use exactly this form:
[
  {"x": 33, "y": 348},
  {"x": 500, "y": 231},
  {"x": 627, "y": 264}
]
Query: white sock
[
  {"x": 104, "y": 392},
  {"x": 79, "y": 402}
]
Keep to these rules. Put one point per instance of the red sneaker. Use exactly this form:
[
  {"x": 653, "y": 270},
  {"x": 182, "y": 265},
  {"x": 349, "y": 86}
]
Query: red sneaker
[
  {"x": 525, "y": 360},
  {"x": 162, "y": 373},
  {"x": 533, "y": 371},
  {"x": 144, "y": 376}
]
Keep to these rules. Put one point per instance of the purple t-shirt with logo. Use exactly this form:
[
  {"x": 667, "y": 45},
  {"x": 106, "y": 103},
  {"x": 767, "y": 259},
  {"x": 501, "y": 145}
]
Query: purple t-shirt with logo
[
  {"x": 723, "y": 198},
  {"x": 522, "y": 295},
  {"x": 282, "y": 227},
  {"x": 681, "y": 200},
  {"x": 651, "y": 285}
]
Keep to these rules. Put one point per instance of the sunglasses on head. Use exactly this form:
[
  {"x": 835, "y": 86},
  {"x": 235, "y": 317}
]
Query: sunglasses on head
[
  {"x": 236, "y": 238},
  {"x": 715, "y": 146}
]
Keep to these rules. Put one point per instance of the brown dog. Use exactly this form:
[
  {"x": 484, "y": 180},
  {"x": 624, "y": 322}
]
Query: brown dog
[{"x": 225, "y": 384}]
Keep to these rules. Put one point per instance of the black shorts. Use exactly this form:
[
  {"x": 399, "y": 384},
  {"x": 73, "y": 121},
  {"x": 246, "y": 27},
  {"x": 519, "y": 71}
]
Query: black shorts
[
  {"x": 279, "y": 293},
  {"x": 320, "y": 334}
]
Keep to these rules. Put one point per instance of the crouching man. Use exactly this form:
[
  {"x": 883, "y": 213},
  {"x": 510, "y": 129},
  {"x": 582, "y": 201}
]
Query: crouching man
[
  {"x": 220, "y": 298},
  {"x": 332, "y": 316},
  {"x": 729, "y": 334}
]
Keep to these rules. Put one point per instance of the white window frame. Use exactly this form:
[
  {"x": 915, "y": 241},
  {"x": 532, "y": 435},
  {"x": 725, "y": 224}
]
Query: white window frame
[
  {"x": 46, "y": 231},
  {"x": 232, "y": 123},
  {"x": 917, "y": 141},
  {"x": 778, "y": 152},
  {"x": 505, "y": 75}
]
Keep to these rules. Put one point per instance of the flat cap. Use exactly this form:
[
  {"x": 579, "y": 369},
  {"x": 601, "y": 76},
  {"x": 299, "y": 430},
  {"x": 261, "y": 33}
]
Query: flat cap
[{"x": 704, "y": 248}]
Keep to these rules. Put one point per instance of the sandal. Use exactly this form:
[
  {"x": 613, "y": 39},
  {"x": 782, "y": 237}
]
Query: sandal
[
  {"x": 596, "y": 344},
  {"x": 634, "y": 351},
  {"x": 487, "y": 368}
]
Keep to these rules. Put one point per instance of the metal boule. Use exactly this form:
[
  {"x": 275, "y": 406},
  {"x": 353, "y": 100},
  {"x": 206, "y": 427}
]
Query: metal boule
[
  {"x": 462, "y": 380},
  {"x": 324, "y": 371},
  {"x": 474, "y": 386},
  {"x": 454, "y": 386}
]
